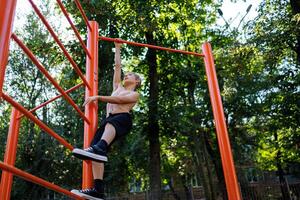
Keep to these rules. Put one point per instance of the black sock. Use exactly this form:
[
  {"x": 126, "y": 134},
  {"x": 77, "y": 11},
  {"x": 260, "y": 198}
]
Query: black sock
[
  {"x": 102, "y": 144},
  {"x": 99, "y": 185}
]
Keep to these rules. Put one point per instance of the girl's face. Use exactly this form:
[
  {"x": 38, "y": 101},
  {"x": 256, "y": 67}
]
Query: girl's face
[{"x": 130, "y": 77}]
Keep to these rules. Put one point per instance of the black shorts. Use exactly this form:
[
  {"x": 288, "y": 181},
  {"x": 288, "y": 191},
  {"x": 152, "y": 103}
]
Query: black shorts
[{"x": 122, "y": 122}]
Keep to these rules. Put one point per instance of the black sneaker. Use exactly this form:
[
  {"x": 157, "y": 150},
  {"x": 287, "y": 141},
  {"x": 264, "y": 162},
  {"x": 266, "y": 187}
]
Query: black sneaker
[
  {"x": 89, "y": 154},
  {"x": 89, "y": 194}
]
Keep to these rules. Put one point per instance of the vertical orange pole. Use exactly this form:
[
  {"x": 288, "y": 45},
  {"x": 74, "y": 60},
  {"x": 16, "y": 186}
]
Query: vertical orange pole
[
  {"x": 10, "y": 154},
  {"x": 232, "y": 186},
  {"x": 7, "y": 13},
  {"x": 91, "y": 110}
]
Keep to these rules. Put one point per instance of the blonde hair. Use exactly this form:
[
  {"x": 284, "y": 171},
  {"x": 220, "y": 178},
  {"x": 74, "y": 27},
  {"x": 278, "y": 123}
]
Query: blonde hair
[{"x": 138, "y": 78}]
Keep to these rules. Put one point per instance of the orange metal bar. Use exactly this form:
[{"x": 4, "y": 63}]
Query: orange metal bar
[
  {"x": 37, "y": 180},
  {"x": 83, "y": 14},
  {"x": 76, "y": 68},
  {"x": 149, "y": 46},
  {"x": 38, "y": 122},
  {"x": 10, "y": 154},
  {"x": 46, "y": 73},
  {"x": 53, "y": 99},
  {"x": 232, "y": 186},
  {"x": 73, "y": 27},
  {"x": 91, "y": 110},
  {"x": 7, "y": 13}
]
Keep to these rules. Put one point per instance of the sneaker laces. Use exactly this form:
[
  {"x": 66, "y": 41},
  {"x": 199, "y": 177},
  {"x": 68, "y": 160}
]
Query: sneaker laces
[
  {"x": 89, "y": 149},
  {"x": 87, "y": 190}
]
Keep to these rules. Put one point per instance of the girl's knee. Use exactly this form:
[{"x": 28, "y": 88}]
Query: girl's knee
[{"x": 110, "y": 127}]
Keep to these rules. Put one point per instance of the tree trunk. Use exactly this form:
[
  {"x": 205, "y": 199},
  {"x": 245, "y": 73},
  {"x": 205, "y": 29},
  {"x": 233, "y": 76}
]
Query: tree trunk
[
  {"x": 153, "y": 128},
  {"x": 209, "y": 173},
  {"x": 187, "y": 189},
  {"x": 283, "y": 187},
  {"x": 175, "y": 195},
  {"x": 201, "y": 166},
  {"x": 199, "y": 147},
  {"x": 280, "y": 172},
  {"x": 218, "y": 168}
]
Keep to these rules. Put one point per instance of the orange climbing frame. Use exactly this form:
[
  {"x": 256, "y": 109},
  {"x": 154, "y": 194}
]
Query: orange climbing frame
[
  {"x": 7, "y": 11},
  {"x": 232, "y": 186},
  {"x": 37, "y": 180},
  {"x": 149, "y": 46},
  {"x": 91, "y": 109}
]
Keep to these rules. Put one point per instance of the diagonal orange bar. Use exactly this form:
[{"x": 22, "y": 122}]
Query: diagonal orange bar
[
  {"x": 76, "y": 68},
  {"x": 37, "y": 180},
  {"x": 45, "y": 72},
  {"x": 36, "y": 121},
  {"x": 149, "y": 46},
  {"x": 53, "y": 99},
  {"x": 233, "y": 190},
  {"x": 83, "y": 14},
  {"x": 7, "y": 13},
  {"x": 63, "y": 9}
]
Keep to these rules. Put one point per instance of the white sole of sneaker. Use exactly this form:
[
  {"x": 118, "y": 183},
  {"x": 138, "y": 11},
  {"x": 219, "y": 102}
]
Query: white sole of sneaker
[
  {"x": 89, "y": 155},
  {"x": 84, "y": 195}
]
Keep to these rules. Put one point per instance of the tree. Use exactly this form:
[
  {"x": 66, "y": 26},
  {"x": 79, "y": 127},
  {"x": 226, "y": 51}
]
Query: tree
[{"x": 259, "y": 77}]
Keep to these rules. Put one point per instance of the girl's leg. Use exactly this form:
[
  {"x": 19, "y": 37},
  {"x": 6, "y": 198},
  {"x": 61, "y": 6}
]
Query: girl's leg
[
  {"x": 109, "y": 133},
  {"x": 108, "y": 136},
  {"x": 98, "y": 170}
]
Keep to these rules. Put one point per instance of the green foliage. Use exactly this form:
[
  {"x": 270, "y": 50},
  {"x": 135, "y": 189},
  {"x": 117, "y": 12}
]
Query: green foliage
[{"x": 258, "y": 72}]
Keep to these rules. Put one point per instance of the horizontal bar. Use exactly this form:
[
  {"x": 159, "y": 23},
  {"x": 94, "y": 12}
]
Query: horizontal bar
[
  {"x": 83, "y": 14},
  {"x": 74, "y": 28},
  {"x": 149, "y": 46},
  {"x": 76, "y": 68},
  {"x": 53, "y": 99},
  {"x": 37, "y": 180},
  {"x": 37, "y": 121},
  {"x": 46, "y": 73}
]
